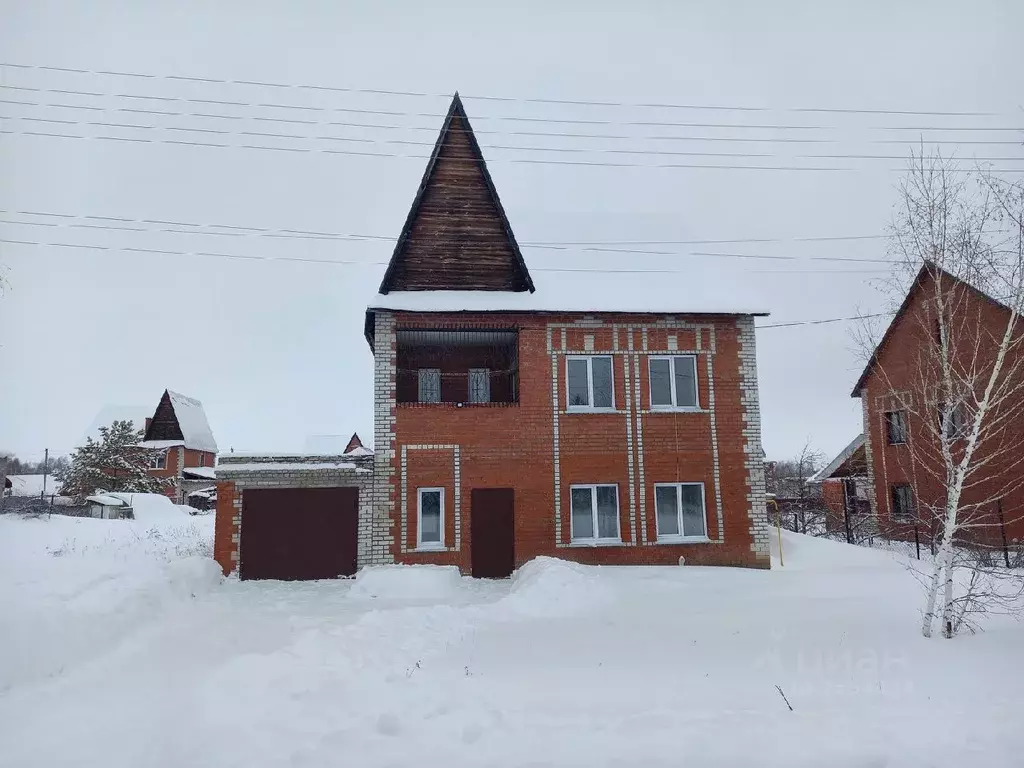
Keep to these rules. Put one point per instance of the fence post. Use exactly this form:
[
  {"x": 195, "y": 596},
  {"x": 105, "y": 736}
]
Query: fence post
[
  {"x": 917, "y": 542},
  {"x": 1002, "y": 529}
]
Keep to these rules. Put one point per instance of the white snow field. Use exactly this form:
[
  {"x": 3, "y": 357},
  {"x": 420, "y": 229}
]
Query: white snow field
[{"x": 120, "y": 645}]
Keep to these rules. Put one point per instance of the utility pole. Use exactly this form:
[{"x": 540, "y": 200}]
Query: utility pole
[{"x": 46, "y": 466}]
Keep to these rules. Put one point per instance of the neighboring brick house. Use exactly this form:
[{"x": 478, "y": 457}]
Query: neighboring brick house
[
  {"x": 184, "y": 449},
  {"x": 512, "y": 421},
  {"x": 902, "y": 451},
  {"x": 845, "y": 489}
]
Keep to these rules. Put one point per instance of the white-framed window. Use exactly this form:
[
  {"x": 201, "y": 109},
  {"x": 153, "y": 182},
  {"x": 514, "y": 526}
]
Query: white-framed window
[
  {"x": 479, "y": 385},
  {"x": 430, "y": 518},
  {"x": 673, "y": 381},
  {"x": 595, "y": 513},
  {"x": 589, "y": 383},
  {"x": 430, "y": 385},
  {"x": 680, "y": 512},
  {"x": 158, "y": 460}
]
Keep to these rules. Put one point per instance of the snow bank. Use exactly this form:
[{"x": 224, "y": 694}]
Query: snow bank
[
  {"x": 74, "y": 588},
  {"x": 407, "y": 582},
  {"x": 154, "y": 508},
  {"x": 547, "y": 586}
]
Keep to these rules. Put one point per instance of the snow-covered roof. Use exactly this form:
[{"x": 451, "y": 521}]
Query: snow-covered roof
[
  {"x": 207, "y": 473},
  {"x": 294, "y": 466},
  {"x": 192, "y": 420},
  {"x": 156, "y": 444},
  {"x": 847, "y": 452},
  {"x": 330, "y": 445},
  {"x": 614, "y": 300},
  {"x": 107, "y": 500},
  {"x": 136, "y": 414},
  {"x": 205, "y": 493},
  {"x": 32, "y": 485}
]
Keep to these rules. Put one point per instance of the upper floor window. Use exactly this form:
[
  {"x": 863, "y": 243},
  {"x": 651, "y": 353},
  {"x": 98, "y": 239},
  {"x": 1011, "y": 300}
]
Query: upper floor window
[
  {"x": 673, "y": 381},
  {"x": 430, "y": 385},
  {"x": 896, "y": 427},
  {"x": 158, "y": 460},
  {"x": 953, "y": 423},
  {"x": 479, "y": 385},
  {"x": 589, "y": 383}
]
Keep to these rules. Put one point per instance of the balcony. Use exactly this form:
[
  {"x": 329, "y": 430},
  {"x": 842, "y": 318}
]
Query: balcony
[{"x": 471, "y": 368}]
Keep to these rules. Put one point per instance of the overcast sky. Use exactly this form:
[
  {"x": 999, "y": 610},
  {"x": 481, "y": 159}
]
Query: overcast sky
[{"x": 274, "y": 349}]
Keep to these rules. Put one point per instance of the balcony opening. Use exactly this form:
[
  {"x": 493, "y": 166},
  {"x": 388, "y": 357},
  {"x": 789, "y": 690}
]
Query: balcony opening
[{"x": 464, "y": 368}]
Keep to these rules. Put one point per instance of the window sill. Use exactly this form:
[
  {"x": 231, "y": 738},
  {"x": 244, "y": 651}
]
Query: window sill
[
  {"x": 677, "y": 409},
  {"x": 581, "y": 409},
  {"x": 456, "y": 405},
  {"x": 431, "y": 548},
  {"x": 682, "y": 540},
  {"x": 594, "y": 543}
]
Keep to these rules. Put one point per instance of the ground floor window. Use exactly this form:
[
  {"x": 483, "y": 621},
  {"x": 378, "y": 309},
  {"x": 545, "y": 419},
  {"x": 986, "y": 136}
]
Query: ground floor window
[
  {"x": 902, "y": 502},
  {"x": 430, "y": 518},
  {"x": 595, "y": 513},
  {"x": 680, "y": 512}
]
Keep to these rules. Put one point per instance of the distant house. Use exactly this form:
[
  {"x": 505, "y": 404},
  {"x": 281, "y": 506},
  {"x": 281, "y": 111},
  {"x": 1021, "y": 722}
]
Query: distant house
[
  {"x": 906, "y": 422},
  {"x": 31, "y": 485},
  {"x": 513, "y": 421},
  {"x": 179, "y": 437},
  {"x": 845, "y": 489}
]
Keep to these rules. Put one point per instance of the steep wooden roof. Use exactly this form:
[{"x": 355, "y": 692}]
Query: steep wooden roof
[{"x": 456, "y": 236}]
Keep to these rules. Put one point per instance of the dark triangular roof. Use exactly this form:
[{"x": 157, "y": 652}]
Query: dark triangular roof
[
  {"x": 456, "y": 236},
  {"x": 928, "y": 269},
  {"x": 354, "y": 442}
]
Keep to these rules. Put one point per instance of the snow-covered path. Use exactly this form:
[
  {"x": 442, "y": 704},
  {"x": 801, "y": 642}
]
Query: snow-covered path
[{"x": 564, "y": 665}]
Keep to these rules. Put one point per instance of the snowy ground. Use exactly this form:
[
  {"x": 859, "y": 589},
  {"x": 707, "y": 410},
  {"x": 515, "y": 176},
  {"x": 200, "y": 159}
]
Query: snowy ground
[{"x": 120, "y": 646}]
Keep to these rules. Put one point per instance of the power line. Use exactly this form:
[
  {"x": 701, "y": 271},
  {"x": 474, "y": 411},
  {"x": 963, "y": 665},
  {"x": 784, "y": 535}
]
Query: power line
[
  {"x": 349, "y": 262},
  {"x": 405, "y": 142},
  {"x": 396, "y": 113},
  {"x": 310, "y": 235},
  {"x": 568, "y": 102},
  {"x": 823, "y": 322},
  {"x": 514, "y": 160}
]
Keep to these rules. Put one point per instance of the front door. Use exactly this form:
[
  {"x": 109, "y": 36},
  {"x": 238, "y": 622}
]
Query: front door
[{"x": 492, "y": 531}]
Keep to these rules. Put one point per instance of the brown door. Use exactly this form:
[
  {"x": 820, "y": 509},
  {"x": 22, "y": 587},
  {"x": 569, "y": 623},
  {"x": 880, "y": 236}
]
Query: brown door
[
  {"x": 299, "y": 533},
  {"x": 492, "y": 531}
]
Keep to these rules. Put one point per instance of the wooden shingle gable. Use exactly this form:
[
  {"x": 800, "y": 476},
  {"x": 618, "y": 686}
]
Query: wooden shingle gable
[
  {"x": 164, "y": 424},
  {"x": 456, "y": 236}
]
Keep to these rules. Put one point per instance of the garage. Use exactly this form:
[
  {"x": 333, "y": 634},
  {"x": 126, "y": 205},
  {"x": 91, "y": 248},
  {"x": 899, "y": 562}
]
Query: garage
[{"x": 299, "y": 533}]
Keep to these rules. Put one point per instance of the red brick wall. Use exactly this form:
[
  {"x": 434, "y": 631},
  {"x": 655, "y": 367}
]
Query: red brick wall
[
  {"x": 224, "y": 526},
  {"x": 898, "y": 369},
  {"x": 192, "y": 458},
  {"x": 512, "y": 447},
  {"x": 832, "y": 495}
]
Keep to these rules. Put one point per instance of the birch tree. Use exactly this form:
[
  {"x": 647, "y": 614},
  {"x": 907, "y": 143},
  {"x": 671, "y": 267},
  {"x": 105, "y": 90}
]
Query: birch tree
[{"x": 962, "y": 386}]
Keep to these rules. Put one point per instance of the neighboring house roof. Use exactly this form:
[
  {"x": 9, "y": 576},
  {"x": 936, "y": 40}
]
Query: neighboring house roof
[
  {"x": 928, "y": 269},
  {"x": 199, "y": 473},
  {"x": 335, "y": 445},
  {"x": 107, "y": 500},
  {"x": 137, "y": 414},
  {"x": 180, "y": 418},
  {"x": 31, "y": 485},
  {"x": 449, "y": 144},
  {"x": 857, "y": 444}
]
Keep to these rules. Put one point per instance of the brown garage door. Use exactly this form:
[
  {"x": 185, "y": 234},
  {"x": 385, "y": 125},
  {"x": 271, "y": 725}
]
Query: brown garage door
[{"x": 299, "y": 533}]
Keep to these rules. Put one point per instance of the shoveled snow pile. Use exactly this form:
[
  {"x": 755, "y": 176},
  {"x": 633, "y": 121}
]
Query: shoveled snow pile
[
  {"x": 547, "y": 586},
  {"x": 128, "y": 643},
  {"x": 73, "y": 588},
  {"x": 408, "y": 582}
]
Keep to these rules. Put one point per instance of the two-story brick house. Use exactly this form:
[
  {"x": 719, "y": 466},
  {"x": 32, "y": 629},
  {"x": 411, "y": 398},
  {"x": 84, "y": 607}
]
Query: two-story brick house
[
  {"x": 182, "y": 444},
  {"x": 903, "y": 414},
  {"x": 513, "y": 419}
]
